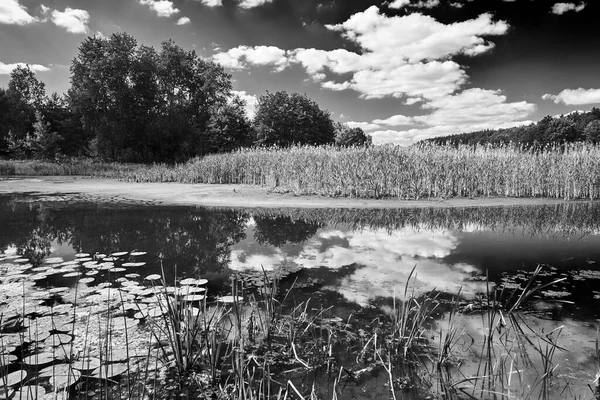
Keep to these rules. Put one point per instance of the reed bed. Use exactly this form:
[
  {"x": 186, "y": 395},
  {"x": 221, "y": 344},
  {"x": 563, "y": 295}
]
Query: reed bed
[
  {"x": 72, "y": 167},
  {"x": 417, "y": 172}
]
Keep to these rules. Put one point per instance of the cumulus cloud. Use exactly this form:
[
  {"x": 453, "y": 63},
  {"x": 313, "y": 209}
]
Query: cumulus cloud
[
  {"x": 416, "y": 4},
  {"x": 6, "y": 69},
  {"x": 163, "y": 8},
  {"x": 73, "y": 20},
  {"x": 212, "y": 3},
  {"x": 575, "y": 96},
  {"x": 183, "y": 21},
  {"x": 561, "y": 8},
  {"x": 408, "y": 57},
  {"x": 13, "y": 13},
  {"x": 395, "y": 120},
  {"x": 253, "y": 3},
  {"x": 470, "y": 110},
  {"x": 365, "y": 126},
  {"x": 250, "y": 100},
  {"x": 242, "y": 56}
]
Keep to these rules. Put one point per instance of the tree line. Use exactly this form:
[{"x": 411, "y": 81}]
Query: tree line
[
  {"x": 573, "y": 127},
  {"x": 129, "y": 102}
]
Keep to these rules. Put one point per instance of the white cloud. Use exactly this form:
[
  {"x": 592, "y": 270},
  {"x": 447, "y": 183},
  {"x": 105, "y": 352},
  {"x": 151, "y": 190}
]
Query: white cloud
[
  {"x": 212, "y": 3},
  {"x": 395, "y": 120},
  {"x": 408, "y": 57},
  {"x": 575, "y": 96},
  {"x": 470, "y": 110},
  {"x": 73, "y": 20},
  {"x": 561, "y": 8},
  {"x": 365, "y": 126},
  {"x": 240, "y": 57},
  {"x": 163, "y": 8},
  {"x": 183, "y": 21},
  {"x": 417, "y": 4},
  {"x": 253, "y": 3},
  {"x": 6, "y": 69},
  {"x": 250, "y": 99},
  {"x": 13, "y": 13}
]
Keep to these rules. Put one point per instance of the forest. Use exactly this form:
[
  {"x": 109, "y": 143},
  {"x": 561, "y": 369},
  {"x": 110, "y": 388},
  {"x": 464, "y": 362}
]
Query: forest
[{"x": 569, "y": 128}]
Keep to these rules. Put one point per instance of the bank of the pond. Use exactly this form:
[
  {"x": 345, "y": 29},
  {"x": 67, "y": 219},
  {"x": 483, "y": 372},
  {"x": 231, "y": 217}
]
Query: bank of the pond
[{"x": 67, "y": 188}]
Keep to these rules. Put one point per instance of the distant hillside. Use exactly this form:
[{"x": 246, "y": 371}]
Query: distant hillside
[{"x": 574, "y": 127}]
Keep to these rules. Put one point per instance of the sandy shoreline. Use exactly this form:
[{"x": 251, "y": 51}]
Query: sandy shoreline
[{"x": 221, "y": 195}]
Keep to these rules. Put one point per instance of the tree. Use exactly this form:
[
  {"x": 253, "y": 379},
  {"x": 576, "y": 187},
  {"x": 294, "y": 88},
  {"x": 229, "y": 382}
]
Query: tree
[
  {"x": 346, "y": 136},
  {"x": 229, "y": 128},
  {"x": 144, "y": 105},
  {"x": 25, "y": 87},
  {"x": 24, "y": 96},
  {"x": 592, "y": 131},
  {"x": 282, "y": 119}
]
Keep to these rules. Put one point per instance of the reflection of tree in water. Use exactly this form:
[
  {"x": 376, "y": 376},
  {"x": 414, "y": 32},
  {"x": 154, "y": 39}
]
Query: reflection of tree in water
[
  {"x": 195, "y": 241},
  {"x": 24, "y": 228},
  {"x": 277, "y": 231}
]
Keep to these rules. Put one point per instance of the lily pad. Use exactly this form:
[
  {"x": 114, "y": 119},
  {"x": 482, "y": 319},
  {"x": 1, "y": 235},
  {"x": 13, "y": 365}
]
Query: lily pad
[
  {"x": 193, "y": 297},
  {"x": 13, "y": 378},
  {"x": 57, "y": 339},
  {"x": 138, "y": 253},
  {"x": 81, "y": 255},
  {"x": 153, "y": 277},
  {"x": 119, "y": 253},
  {"x": 229, "y": 299},
  {"x": 110, "y": 370},
  {"x": 29, "y": 392},
  {"x": 87, "y": 363},
  {"x": 61, "y": 375},
  {"x": 39, "y": 359}
]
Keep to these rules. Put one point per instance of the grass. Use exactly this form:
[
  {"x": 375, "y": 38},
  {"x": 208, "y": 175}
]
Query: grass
[{"x": 417, "y": 172}]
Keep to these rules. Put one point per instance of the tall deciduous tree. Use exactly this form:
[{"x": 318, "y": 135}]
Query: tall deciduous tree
[
  {"x": 347, "y": 136},
  {"x": 282, "y": 119},
  {"x": 144, "y": 105}
]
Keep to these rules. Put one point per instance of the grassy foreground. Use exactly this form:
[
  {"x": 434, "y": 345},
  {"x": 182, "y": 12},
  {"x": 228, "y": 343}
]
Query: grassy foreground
[{"x": 417, "y": 172}]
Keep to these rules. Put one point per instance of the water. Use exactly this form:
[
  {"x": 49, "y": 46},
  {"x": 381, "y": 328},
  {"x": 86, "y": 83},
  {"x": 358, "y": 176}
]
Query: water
[{"x": 354, "y": 261}]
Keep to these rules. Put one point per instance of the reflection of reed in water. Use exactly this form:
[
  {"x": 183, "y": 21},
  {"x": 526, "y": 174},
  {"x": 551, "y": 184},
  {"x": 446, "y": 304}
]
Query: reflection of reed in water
[{"x": 568, "y": 219}]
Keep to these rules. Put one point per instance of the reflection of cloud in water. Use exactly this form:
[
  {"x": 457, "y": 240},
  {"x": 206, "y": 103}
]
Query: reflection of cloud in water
[
  {"x": 240, "y": 260},
  {"x": 384, "y": 261}
]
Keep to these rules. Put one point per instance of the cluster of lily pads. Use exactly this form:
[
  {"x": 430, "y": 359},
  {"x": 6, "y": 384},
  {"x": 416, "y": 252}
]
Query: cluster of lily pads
[{"x": 56, "y": 341}]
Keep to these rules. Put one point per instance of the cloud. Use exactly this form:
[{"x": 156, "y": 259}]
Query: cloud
[
  {"x": 13, "y": 13},
  {"x": 395, "y": 120},
  {"x": 250, "y": 99},
  {"x": 561, "y": 8},
  {"x": 470, "y": 110},
  {"x": 212, "y": 3},
  {"x": 575, "y": 96},
  {"x": 253, "y": 3},
  {"x": 418, "y": 4},
  {"x": 6, "y": 69},
  {"x": 73, "y": 20},
  {"x": 163, "y": 8},
  {"x": 242, "y": 56},
  {"x": 365, "y": 126},
  {"x": 183, "y": 21}
]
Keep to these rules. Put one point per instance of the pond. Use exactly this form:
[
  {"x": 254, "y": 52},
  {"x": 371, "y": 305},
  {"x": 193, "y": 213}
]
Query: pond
[{"x": 410, "y": 303}]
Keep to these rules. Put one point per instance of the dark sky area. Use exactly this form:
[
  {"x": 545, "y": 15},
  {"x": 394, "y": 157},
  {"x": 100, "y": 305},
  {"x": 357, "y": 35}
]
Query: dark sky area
[{"x": 403, "y": 70}]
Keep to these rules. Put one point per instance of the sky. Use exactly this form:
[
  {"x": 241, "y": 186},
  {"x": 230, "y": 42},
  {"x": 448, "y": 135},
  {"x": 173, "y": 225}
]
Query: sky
[{"x": 402, "y": 70}]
